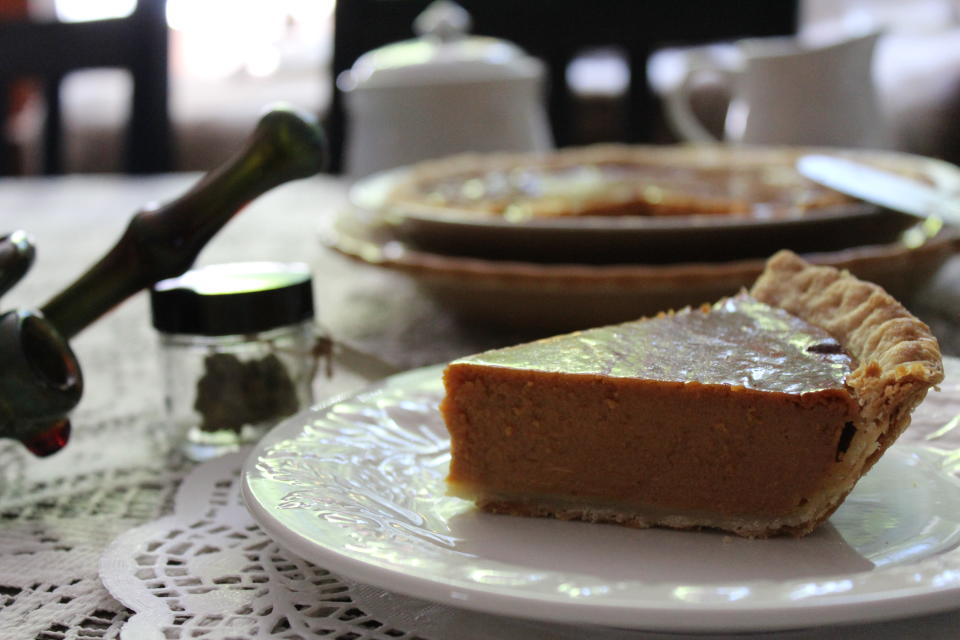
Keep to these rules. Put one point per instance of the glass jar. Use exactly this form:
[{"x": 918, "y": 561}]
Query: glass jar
[{"x": 239, "y": 351}]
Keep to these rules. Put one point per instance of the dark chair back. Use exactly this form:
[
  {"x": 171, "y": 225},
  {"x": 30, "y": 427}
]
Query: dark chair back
[
  {"x": 558, "y": 30},
  {"x": 47, "y": 51}
]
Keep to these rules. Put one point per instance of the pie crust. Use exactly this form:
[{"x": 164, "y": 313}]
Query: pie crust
[{"x": 898, "y": 360}]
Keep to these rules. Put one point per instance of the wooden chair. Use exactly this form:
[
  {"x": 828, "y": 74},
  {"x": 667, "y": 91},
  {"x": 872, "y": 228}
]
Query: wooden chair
[
  {"x": 48, "y": 51},
  {"x": 558, "y": 30}
]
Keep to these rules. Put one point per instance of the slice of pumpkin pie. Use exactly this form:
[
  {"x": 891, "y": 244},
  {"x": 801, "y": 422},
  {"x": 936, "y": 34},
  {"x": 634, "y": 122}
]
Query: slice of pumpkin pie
[{"x": 756, "y": 415}]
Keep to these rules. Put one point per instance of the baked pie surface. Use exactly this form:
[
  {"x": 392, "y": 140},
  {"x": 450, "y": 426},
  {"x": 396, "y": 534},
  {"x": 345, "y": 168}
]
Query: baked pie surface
[
  {"x": 756, "y": 415},
  {"x": 614, "y": 180}
]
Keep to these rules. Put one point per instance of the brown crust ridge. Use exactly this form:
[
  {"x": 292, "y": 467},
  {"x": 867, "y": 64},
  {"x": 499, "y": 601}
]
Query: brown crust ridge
[{"x": 898, "y": 360}]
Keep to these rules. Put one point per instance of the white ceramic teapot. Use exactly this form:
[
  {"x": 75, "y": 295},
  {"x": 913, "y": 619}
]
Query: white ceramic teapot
[
  {"x": 785, "y": 92},
  {"x": 444, "y": 92}
]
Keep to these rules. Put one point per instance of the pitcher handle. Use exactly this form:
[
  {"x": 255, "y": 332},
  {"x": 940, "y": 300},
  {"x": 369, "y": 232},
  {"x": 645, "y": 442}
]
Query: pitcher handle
[{"x": 678, "y": 100}]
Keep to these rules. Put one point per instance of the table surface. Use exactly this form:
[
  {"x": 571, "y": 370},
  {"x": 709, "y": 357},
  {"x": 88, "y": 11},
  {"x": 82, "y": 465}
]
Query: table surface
[{"x": 75, "y": 219}]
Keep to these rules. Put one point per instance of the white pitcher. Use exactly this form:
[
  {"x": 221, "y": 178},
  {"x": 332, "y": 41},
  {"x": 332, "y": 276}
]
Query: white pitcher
[{"x": 783, "y": 92}]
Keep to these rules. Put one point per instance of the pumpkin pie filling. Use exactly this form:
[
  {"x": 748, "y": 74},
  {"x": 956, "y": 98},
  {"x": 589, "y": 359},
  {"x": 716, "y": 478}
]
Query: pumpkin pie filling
[{"x": 742, "y": 415}]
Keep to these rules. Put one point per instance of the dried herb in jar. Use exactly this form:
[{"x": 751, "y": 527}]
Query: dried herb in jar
[
  {"x": 233, "y": 393},
  {"x": 240, "y": 350}
]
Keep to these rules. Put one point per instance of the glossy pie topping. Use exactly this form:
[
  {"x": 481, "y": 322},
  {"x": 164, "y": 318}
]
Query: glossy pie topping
[
  {"x": 628, "y": 188},
  {"x": 738, "y": 342}
]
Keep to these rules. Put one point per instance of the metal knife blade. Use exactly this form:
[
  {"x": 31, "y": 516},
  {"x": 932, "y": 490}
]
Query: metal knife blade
[{"x": 880, "y": 187}]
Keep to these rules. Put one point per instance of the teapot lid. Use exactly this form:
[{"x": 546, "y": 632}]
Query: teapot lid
[{"x": 443, "y": 53}]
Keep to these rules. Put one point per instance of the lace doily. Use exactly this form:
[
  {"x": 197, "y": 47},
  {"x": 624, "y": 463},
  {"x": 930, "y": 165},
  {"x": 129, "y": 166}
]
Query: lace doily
[
  {"x": 59, "y": 513},
  {"x": 208, "y": 571}
]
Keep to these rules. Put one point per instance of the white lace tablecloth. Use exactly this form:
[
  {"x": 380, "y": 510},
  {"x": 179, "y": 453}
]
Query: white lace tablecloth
[{"x": 175, "y": 543}]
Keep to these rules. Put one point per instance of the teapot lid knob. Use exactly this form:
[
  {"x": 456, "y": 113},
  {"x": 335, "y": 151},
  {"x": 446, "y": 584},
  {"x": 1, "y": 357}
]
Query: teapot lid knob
[{"x": 443, "y": 20}]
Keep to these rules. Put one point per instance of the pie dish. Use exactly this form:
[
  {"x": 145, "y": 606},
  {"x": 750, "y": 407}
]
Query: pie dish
[
  {"x": 550, "y": 298},
  {"x": 806, "y": 381}
]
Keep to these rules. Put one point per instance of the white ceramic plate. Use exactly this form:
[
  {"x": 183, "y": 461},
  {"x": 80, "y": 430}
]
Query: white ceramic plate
[{"x": 357, "y": 487}]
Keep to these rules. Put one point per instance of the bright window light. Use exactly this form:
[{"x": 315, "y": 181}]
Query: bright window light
[
  {"x": 84, "y": 10},
  {"x": 222, "y": 38}
]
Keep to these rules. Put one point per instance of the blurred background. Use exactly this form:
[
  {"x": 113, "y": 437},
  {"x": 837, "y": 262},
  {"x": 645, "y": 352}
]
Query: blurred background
[{"x": 143, "y": 86}]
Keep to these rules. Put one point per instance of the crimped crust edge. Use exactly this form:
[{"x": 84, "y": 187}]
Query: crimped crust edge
[{"x": 898, "y": 358}]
